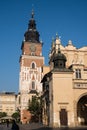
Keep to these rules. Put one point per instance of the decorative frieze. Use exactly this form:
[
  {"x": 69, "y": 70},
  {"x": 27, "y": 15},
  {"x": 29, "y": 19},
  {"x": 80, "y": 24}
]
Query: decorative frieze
[{"x": 80, "y": 85}]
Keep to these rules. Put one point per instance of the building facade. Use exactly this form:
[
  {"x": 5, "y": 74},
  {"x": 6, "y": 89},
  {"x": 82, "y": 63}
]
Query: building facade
[
  {"x": 62, "y": 84},
  {"x": 31, "y": 62},
  {"x": 8, "y": 102},
  {"x": 65, "y": 86}
]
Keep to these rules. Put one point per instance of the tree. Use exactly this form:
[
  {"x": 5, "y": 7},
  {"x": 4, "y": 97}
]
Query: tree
[
  {"x": 16, "y": 115},
  {"x": 3, "y": 114},
  {"x": 35, "y": 108}
]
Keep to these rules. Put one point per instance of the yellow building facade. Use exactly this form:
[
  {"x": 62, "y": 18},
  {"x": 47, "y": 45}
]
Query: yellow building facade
[
  {"x": 8, "y": 102},
  {"x": 65, "y": 86}
]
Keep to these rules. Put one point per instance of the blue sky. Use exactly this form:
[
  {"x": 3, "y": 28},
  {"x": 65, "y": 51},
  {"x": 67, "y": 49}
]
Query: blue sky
[{"x": 68, "y": 18}]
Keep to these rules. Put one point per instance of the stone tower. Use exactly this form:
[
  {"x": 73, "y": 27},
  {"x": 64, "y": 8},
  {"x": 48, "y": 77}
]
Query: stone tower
[{"x": 31, "y": 62}]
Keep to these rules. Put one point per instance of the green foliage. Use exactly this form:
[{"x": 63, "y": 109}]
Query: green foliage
[
  {"x": 35, "y": 107},
  {"x": 3, "y": 114},
  {"x": 16, "y": 115}
]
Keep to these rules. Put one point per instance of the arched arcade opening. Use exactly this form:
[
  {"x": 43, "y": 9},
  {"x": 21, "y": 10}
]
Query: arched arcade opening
[{"x": 82, "y": 110}]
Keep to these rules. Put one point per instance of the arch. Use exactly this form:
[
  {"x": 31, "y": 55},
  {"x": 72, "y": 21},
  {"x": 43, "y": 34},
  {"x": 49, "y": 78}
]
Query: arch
[
  {"x": 33, "y": 65},
  {"x": 83, "y": 94},
  {"x": 82, "y": 109}
]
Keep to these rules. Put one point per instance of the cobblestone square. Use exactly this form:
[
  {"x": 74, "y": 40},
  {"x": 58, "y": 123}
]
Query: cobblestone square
[{"x": 37, "y": 126}]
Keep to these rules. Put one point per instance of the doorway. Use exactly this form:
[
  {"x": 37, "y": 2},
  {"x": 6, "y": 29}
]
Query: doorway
[{"x": 63, "y": 117}]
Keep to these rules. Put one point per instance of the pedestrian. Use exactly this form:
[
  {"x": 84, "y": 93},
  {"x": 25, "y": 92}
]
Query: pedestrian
[
  {"x": 7, "y": 123},
  {"x": 14, "y": 125}
]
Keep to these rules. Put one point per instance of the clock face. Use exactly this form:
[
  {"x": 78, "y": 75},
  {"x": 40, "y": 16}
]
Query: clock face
[{"x": 33, "y": 48}]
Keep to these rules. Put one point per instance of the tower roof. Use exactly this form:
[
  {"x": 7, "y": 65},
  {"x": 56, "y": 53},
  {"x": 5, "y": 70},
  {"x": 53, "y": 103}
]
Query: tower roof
[
  {"x": 59, "y": 56},
  {"x": 59, "y": 59},
  {"x": 32, "y": 34}
]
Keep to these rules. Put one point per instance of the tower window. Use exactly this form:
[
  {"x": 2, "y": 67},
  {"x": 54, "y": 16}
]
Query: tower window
[
  {"x": 33, "y": 65},
  {"x": 33, "y": 53},
  {"x": 61, "y": 64},
  {"x": 33, "y": 85},
  {"x": 55, "y": 64},
  {"x": 78, "y": 74}
]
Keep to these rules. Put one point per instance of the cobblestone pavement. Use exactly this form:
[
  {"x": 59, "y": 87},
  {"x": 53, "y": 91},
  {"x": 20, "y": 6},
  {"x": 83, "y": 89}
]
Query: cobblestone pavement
[{"x": 36, "y": 126}]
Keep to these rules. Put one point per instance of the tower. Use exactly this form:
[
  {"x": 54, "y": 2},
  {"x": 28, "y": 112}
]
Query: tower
[{"x": 31, "y": 62}]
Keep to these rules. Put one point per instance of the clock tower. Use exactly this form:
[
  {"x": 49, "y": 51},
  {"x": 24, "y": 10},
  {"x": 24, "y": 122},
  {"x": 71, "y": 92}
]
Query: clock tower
[{"x": 31, "y": 62}]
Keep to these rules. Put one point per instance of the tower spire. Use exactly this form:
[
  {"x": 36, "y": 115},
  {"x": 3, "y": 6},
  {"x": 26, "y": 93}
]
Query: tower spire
[{"x": 32, "y": 34}]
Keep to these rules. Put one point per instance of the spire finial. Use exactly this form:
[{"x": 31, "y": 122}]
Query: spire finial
[
  {"x": 52, "y": 39},
  {"x": 32, "y": 14},
  {"x": 56, "y": 35},
  {"x": 69, "y": 42}
]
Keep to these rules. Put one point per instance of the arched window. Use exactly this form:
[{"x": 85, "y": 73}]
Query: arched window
[{"x": 33, "y": 65}]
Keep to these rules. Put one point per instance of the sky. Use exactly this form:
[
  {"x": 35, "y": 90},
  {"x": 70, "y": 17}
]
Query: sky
[{"x": 67, "y": 18}]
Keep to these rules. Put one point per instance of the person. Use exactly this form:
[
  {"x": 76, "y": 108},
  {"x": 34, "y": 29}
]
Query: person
[
  {"x": 14, "y": 125},
  {"x": 7, "y": 123}
]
